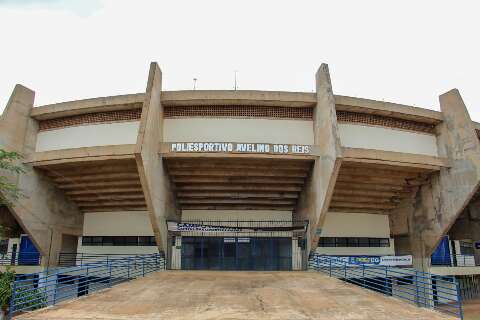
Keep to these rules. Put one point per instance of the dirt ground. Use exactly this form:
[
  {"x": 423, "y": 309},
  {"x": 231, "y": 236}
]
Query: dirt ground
[
  {"x": 471, "y": 309},
  {"x": 211, "y": 295}
]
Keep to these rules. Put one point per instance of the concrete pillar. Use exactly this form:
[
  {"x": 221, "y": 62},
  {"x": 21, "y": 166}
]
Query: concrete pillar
[
  {"x": 437, "y": 204},
  {"x": 177, "y": 254},
  {"x": 153, "y": 176},
  {"x": 315, "y": 199},
  {"x": 43, "y": 211},
  {"x": 296, "y": 255}
]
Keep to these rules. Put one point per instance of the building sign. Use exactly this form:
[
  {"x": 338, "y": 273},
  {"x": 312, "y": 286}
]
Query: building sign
[
  {"x": 235, "y": 147},
  {"x": 189, "y": 227},
  {"x": 373, "y": 260}
]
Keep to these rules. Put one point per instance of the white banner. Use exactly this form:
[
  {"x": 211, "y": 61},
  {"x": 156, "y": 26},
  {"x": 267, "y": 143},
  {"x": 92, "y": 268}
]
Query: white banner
[
  {"x": 373, "y": 260},
  {"x": 396, "y": 260}
]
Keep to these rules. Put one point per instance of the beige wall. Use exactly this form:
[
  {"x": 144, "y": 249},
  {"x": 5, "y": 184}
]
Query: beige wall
[
  {"x": 241, "y": 215},
  {"x": 122, "y": 223},
  {"x": 369, "y": 137},
  {"x": 88, "y": 136},
  {"x": 238, "y": 130},
  {"x": 339, "y": 224},
  {"x": 125, "y": 223}
]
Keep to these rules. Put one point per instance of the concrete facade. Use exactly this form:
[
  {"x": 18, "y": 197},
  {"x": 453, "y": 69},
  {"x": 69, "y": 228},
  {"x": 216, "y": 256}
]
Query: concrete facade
[
  {"x": 385, "y": 170},
  {"x": 42, "y": 210}
]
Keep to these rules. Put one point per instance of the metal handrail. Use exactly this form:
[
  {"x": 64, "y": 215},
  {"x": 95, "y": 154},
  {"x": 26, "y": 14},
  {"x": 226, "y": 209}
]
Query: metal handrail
[
  {"x": 15, "y": 258},
  {"x": 70, "y": 259},
  {"x": 38, "y": 290},
  {"x": 420, "y": 288}
]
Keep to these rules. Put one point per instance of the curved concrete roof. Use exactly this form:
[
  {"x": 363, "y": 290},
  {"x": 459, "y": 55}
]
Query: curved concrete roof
[{"x": 230, "y": 97}]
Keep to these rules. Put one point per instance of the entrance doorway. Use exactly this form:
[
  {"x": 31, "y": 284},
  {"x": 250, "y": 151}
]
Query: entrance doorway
[{"x": 236, "y": 253}]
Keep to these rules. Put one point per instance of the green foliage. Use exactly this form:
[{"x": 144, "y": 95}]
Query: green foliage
[
  {"x": 8, "y": 165},
  {"x": 26, "y": 298},
  {"x": 29, "y": 298},
  {"x": 6, "y": 280}
]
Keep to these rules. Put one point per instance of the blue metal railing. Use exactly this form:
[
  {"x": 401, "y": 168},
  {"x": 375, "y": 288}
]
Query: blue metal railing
[
  {"x": 423, "y": 289},
  {"x": 38, "y": 290},
  {"x": 458, "y": 260},
  {"x": 20, "y": 258},
  {"x": 67, "y": 259}
]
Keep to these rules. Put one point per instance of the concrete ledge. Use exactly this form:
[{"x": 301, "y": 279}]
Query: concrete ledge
[
  {"x": 394, "y": 158},
  {"x": 114, "y": 152},
  {"x": 71, "y": 108},
  {"x": 345, "y": 103},
  {"x": 231, "y": 97},
  {"x": 455, "y": 271},
  {"x": 23, "y": 269},
  {"x": 243, "y": 97}
]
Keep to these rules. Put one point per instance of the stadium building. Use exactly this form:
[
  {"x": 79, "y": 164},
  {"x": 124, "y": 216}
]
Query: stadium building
[{"x": 243, "y": 180}]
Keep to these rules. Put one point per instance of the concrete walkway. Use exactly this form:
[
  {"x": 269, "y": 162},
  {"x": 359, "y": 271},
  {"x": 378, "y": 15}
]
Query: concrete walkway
[{"x": 202, "y": 295}]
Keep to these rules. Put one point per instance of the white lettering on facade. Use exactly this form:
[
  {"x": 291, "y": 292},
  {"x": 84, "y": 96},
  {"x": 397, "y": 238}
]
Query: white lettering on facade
[{"x": 240, "y": 148}]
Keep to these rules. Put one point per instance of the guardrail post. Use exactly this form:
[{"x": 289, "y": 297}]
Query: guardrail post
[
  {"x": 345, "y": 269},
  {"x": 417, "y": 296},
  {"x": 109, "y": 274},
  {"x": 386, "y": 279},
  {"x": 363, "y": 274},
  {"x": 459, "y": 299},
  {"x": 55, "y": 290},
  {"x": 330, "y": 267},
  {"x": 143, "y": 266},
  {"x": 128, "y": 272}
]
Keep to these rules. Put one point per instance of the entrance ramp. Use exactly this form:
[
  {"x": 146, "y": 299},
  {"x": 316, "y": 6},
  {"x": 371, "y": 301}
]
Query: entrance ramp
[
  {"x": 242, "y": 295},
  {"x": 422, "y": 289}
]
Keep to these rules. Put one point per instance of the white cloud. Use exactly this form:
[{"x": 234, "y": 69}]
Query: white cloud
[{"x": 407, "y": 52}]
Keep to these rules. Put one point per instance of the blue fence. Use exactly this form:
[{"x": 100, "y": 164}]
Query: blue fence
[
  {"x": 34, "y": 291},
  {"x": 20, "y": 258},
  {"x": 419, "y": 288}
]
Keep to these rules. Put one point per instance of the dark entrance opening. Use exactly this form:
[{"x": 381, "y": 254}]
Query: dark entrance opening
[{"x": 236, "y": 253}]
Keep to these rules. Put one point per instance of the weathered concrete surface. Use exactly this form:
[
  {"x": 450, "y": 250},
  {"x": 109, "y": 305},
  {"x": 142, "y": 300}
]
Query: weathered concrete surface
[
  {"x": 153, "y": 176},
  {"x": 43, "y": 212},
  {"x": 236, "y": 295},
  {"x": 315, "y": 200},
  {"x": 437, "y": 204}
]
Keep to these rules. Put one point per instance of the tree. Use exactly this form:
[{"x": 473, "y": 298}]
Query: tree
[
  {"x": 6, "y": 279},
  {"x": 9, "y": 192}
]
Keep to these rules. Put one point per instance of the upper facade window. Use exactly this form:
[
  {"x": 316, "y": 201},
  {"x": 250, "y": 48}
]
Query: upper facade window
[{"x": 353, "y": 242}]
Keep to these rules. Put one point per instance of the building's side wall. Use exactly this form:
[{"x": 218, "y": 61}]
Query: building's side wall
[
  {"x": 122, "y": 223},
  {"x": 88, "y": 136},
  {"x": 371, "y": 137},
  {"x": 339, "y": 224},
  {"x": 238, "y": 130}
]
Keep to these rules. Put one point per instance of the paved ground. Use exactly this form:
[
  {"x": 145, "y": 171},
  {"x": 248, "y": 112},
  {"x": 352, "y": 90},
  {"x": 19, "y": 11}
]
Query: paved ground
[
  {"x": 210, "y": 295},
  {"x": 471, "y": 309}
]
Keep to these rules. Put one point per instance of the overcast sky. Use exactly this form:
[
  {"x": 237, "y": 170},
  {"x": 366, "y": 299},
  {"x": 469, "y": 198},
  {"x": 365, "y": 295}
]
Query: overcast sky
[{"x": 400, "y": 51}]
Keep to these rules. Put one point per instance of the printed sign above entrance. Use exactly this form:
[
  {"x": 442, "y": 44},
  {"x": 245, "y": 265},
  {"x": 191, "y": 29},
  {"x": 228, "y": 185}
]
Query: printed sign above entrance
[{"x": 236, "y": 147}]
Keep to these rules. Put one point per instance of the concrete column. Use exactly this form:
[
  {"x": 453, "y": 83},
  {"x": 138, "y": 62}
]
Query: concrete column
[
  {"x": 153, "y": 176},
  {"x": 43, "y": 211},
  {"x": 452, "y": 188},
  {"x": 177, "y": 254},
  {"x": 315, "y": 199},
  {"x": 296, "y": 255},
  {"x": 437, "y": 204}
]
